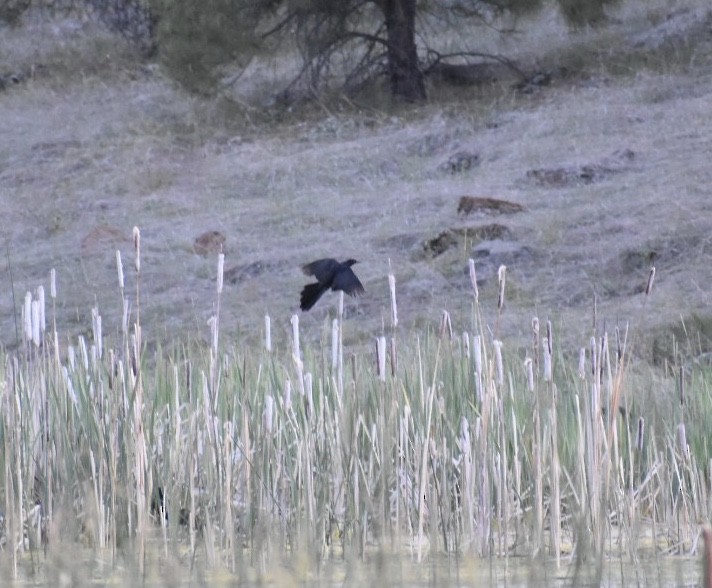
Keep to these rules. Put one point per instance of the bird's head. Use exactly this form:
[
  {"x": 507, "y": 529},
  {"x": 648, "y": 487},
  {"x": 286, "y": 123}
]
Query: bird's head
[{"x": 350, "y": 262}]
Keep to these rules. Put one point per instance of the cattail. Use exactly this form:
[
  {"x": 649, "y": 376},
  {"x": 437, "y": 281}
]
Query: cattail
[
  {"x": 309, "y": 394},
  {"x": 137, "y": 248},
  {"x": 682, "y": 439},
  {"x": 466, "y": 344},
  {"x": 547, "y": 360},
  {"x": 120, "y": 269},
  {"x": 473, "y": 280},
  {"x": 501, "y": 278},
  {"x": 619, "y": 345},
  {"x": 83, "y": 353},
  {"x": 268, "y": 415},
  {"x": 465, "y": 446},
  {"x": 445, "y": 324},
  {"x": 35, "y": 310},
  {"x": 96, "y": 330},
  {"x": 27, "y": 315},
  {"x": 213, "y": 324},
  {"x": 41, "y": 301},
  {"x": 268, "y": 333},
  {"x": 394, "y": 356},
  {"x": 70, "y": 386},
  {"x": 52, "y": 284},
  {"x": 295, "y": 337},
  {"x": 651, "y": 279},
  {"x": 287, "y": 397},
  {"x": 603, "y": 354},
  {"x": 498, "y": 361},
  {"x": 582, "y": 364},
  {"x": 594, "y": 356},
  {"x": 221, "y": 271},
  {"x": 125, "y": 317},
  {"x": 550, "y": 337},
  {"x": 528, "y": 366},
  {"x": 477, "y": 351},
  {"x": 381, "y": 358},
  {"x": 394, "y": 306},
  {"x": 334, "y": 344},
  {"x": 639, "y": 435}
]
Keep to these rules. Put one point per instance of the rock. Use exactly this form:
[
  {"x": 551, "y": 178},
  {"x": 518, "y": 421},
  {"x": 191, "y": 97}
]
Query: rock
[
  {"x": 209, "y": 242},
  {"x": 459, "y": 162},
  {"x": 562, "y": 177},
  {"x": 470, "y": 204}
]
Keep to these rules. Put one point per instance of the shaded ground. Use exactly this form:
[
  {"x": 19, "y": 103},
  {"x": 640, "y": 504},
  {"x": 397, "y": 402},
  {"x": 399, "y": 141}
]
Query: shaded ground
[{"x": 609, "y": 160}]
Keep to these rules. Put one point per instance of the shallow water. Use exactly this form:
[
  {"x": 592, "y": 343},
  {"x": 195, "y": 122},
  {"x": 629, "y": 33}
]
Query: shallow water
[{"x": 86, "y": 567}]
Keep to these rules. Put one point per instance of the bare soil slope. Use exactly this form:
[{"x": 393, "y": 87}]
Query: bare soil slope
[{"x": 608, "y": 155}]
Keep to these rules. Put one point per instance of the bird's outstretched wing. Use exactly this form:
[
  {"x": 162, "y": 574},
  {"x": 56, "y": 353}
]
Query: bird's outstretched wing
[
  {"x": 346, "y": 280},
  {"x": 322, "y": 269}
]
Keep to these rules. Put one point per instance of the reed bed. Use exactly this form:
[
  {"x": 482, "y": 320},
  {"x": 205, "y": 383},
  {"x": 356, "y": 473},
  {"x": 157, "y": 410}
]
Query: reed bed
[{"x": 447, "y": 442}]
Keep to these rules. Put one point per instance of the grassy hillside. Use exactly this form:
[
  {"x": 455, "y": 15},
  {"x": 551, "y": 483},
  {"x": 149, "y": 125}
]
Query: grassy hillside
[{"x": 100, "y": 141}]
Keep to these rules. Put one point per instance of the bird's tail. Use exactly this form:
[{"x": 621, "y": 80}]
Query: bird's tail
[{"x": 310, "y": 294}]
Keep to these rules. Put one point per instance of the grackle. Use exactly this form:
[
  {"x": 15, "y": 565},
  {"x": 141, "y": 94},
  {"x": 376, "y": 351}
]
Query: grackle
[{"x": 329, "y": 273}]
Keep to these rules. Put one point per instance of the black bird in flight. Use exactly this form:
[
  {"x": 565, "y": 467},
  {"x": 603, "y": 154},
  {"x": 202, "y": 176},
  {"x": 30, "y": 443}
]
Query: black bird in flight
[{"x": 329, "y": 273}]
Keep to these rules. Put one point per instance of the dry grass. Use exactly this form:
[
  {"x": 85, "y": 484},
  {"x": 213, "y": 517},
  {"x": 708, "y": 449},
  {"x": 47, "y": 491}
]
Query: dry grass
[{"x": 101, "y": 141}]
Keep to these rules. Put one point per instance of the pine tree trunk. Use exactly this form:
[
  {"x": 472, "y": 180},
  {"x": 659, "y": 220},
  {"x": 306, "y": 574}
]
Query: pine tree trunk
[{"x": 403, "y": 69}]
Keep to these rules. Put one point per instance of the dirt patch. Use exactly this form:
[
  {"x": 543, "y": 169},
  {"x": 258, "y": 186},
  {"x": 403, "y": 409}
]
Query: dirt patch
[
  {"x": 683, "y": 25},
  {"x": 460, "y": 162},
  {"x": 248, "y": 271},
  {"x": 563, "y": 177},
  {"x": 690, "y": 337},
  {"x": 469, "y": 204},
  {"x": 455, "y": 237},
  {"x": 627, "y": 272},
  {"x": 209, "y": 242},
  {"x": 103, "y": 237}
]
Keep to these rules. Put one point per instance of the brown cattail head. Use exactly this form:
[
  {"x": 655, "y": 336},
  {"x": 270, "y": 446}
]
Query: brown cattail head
[
  {"x": 120, "y": 269},
  {"x": 651, "y": 279},
  {"x": 221, "y": 271},
  {"x": 502, "y": 279},
  {"x": 530, "y": 373},
  {"x": 473, "y": 280},
  {"x": 639, "y": 435},
  {"x": 137, "y": 248},
  {"x": 682, "y": 439},
  {"x": 394, "y": 305},
  {"x": 445, "y": 325}
]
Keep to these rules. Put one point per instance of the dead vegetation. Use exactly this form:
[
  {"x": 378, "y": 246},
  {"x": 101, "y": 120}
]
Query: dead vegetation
[{"x": 603, "y": 164}]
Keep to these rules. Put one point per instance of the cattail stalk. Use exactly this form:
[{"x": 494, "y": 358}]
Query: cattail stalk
[
  {"x": 473, "y": 280},
  {"x": 649, "y": 284},
  {"x": 498, "y": 362},
  {"x": 394, "y": 305},
  {"x": 268, "y": 333},
  {"x": 381, "y": 358}
]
